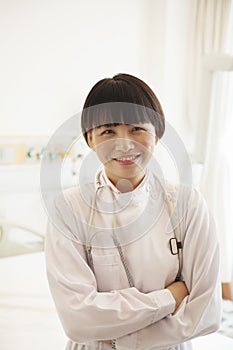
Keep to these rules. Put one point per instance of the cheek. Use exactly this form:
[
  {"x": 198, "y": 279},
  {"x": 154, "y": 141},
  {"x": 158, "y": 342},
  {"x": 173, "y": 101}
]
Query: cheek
[
  {"x": 148, "y": 145},
  {"x": 104, "y": 150}
]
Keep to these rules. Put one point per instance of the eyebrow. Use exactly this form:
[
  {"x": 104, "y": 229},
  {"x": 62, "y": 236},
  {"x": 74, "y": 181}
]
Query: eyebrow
[{"x": 110, "y": 125}]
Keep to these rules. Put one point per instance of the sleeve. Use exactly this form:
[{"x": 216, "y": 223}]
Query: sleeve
[
  {"x": 86, "y": 314},
  {"x": 200, "y": 312}
]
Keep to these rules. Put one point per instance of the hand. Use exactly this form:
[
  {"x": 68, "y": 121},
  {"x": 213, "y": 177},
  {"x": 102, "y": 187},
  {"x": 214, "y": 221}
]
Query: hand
[{"x": 179, "y": 292}]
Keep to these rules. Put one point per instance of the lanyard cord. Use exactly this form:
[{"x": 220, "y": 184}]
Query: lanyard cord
[
  {"x": 117, "y": 244},
  {"x": 88, "y": 246},
  {"x": 176, "y": 229},
  {"x": 115, "y": 239}
]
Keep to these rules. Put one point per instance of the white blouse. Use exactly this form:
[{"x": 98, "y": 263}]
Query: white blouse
[{"x": 94, "y": 299}]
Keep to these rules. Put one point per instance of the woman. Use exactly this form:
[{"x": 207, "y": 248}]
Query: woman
[{"x": 112, "y": 255}]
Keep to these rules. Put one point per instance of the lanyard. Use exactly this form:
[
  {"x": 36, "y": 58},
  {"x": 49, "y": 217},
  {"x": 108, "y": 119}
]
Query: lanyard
[{"x": 175, "y": 242}]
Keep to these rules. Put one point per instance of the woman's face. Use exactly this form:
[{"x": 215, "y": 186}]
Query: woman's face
[{"x": 124, "y": 150}]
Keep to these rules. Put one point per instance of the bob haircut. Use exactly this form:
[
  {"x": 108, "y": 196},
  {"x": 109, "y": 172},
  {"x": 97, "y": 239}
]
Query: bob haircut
[{"x": 123, "y": 99}]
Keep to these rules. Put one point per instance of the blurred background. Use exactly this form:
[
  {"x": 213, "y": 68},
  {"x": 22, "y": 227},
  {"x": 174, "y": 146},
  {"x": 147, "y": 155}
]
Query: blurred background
[{"x": 52, "y": 53}]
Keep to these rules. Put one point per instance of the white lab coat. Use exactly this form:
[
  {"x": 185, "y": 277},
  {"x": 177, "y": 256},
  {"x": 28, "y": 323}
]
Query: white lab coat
[{"x": 100, "y": 305}]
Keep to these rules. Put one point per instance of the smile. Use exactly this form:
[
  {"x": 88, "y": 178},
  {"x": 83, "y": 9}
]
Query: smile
[{"x": 127, "y": 159}]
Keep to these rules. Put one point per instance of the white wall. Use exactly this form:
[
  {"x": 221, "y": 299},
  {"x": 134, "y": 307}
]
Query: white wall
[
  {"x": 165, "y": 59},
  {"x": 54, "y": 51},
  {"x": 175, "y": 80}
]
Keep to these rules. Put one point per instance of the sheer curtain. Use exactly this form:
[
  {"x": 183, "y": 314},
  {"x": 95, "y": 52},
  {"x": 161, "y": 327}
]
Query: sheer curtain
[
  {"x": 217, "y": 172},
  {"x": 210, "y": 112}
]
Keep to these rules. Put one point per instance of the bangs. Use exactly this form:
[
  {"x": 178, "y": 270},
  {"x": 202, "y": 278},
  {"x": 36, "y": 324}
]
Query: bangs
[{"x": 117, "y": 113}]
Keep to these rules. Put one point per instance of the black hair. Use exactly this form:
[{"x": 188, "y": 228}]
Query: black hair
[{"x": 123, "y": 99}]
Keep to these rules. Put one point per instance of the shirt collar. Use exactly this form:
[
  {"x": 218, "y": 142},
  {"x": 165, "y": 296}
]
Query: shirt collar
[{"x": 102, "y": 180}]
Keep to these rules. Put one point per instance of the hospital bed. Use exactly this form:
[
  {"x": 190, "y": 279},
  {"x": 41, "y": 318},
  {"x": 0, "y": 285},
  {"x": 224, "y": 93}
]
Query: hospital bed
[
  {"x": 16, "y": 239},
  {"x": 28, "y": 319}
]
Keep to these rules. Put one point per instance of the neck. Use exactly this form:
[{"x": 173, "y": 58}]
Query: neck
[{"x": 126, "y": 185}]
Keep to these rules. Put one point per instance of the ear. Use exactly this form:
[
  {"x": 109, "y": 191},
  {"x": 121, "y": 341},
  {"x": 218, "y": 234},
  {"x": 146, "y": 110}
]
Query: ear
[
  {"x": 156, "y": 140},
  {"x": 90, "y": 140}
]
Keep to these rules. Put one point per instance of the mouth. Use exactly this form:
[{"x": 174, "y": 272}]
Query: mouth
[{"x": 127, "y": 159}]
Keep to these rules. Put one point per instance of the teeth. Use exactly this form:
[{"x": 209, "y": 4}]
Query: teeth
[{"x": 126, "y": 158}]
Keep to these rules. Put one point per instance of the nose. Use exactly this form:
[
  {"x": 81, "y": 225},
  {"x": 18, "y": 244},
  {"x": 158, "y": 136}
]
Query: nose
[{"x": 124, "y": 144}]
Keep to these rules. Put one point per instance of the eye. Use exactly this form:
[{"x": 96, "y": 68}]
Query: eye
[
  {"x": 107, "y": 132},
  {"x": 138, "y": 128}
]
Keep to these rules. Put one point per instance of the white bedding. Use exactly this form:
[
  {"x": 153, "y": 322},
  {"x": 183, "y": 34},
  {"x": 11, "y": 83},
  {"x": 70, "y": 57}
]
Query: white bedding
[
  {"x": 28, "y": 318},
  {"x": 213, "y": 341}
]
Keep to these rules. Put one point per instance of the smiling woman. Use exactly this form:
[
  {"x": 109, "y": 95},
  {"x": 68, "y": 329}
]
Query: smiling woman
[{"x": 105, "y": 295}]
